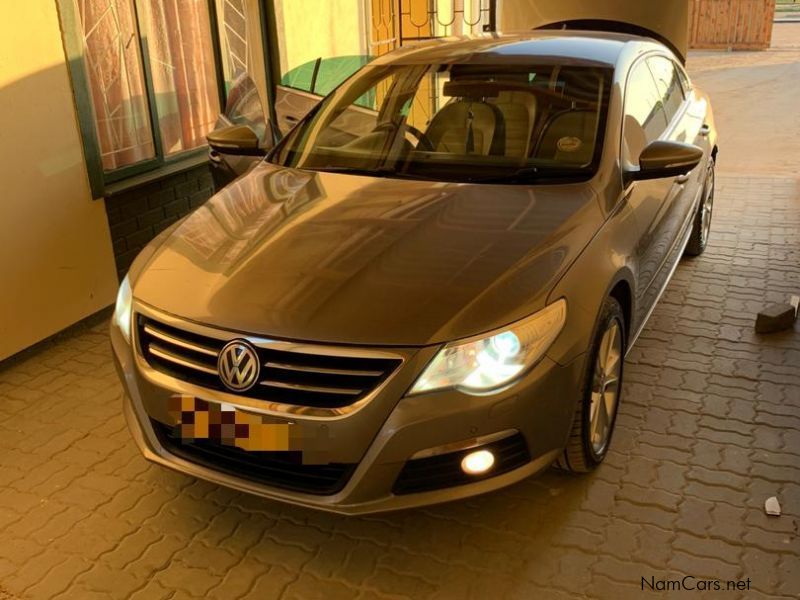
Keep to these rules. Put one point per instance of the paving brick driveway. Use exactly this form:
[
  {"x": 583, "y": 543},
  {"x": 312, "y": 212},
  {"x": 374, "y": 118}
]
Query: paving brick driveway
[{"x": 708, "y": 429}]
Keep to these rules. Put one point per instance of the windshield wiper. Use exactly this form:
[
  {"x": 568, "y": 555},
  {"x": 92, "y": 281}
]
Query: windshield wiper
[
  {"x": 382, "y": 171},
  {"x": 535, "y": 175}
]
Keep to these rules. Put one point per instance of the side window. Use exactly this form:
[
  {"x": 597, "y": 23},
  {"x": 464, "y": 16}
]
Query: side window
[
  {"x": 685, "y": 82},
  {"x": 669, "y": 85},
  {"x": 644, "y": 119}
]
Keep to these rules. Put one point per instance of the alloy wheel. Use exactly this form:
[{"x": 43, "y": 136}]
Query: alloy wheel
[
  {"x": 605, "y": 388},
  {"x": 707, "y": 207}
]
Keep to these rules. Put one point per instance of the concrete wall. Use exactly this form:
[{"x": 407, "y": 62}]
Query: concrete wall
[
  {"x": 667, "y": 18},
  {"x": 56, "y": 262}
]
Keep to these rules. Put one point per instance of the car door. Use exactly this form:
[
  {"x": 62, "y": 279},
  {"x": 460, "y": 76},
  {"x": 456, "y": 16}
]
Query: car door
[
  {"x": 645, "y": 121},
  {"x": 668, "y": 225},
  {"x": 683, "y": 127},
  {"x": 302, "y": 88}
]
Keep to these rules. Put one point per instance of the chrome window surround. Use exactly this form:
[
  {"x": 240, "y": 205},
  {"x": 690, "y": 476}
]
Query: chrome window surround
[{"x": 243, "y": 402}]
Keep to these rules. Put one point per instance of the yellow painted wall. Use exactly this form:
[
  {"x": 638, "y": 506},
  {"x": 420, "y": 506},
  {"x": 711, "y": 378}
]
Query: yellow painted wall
[
  {"x": 56, "y": 262},
  {"x": 309, "y": 29}
]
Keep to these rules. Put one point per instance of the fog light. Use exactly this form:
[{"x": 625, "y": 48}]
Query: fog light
[{"x": 478, "y": 462}]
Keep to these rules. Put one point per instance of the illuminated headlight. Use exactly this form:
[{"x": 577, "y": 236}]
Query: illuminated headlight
[
  {"x": 122, "y": 311},
  {"x": 495, "y": 360}
]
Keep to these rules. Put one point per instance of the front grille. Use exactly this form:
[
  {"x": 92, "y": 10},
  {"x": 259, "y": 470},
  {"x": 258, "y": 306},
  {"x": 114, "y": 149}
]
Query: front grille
[
  {"x": 444, "y": 470},
  {"x": 290, "y": 377},
  {"x": 277, "y": 469}
]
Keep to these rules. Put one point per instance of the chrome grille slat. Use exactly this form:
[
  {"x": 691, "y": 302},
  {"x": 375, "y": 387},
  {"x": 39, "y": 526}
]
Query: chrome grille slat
[
  {"x": 165, "y": 337},
  {"x": 310, "y": 388},
  {"x": 323, "y": 370},
  {"x": 160, "y": 352},
  {"x": 295, "y": 375}
]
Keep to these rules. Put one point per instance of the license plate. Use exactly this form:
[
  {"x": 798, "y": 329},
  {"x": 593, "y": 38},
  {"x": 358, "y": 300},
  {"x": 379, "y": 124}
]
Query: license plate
[{"x": 198, "y": 419}]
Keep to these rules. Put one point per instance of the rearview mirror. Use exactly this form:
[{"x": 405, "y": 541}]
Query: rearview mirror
[
  {"x": 236, "y": 139},
  {"x": 662, "y": 159}
]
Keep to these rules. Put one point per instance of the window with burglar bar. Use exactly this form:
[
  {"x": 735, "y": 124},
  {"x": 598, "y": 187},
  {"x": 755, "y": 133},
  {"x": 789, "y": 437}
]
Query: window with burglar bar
[{"x": 150, "y": 77}]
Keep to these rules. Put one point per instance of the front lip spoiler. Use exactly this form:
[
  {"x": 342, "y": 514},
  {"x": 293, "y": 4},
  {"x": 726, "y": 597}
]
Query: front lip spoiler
[{"x": 153, "y": 452}]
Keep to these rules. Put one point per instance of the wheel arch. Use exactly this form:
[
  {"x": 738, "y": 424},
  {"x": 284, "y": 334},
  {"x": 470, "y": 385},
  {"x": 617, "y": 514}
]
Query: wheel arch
[
  {"x": 585, "y": 302},
  {"x": 622, "y": 292}
]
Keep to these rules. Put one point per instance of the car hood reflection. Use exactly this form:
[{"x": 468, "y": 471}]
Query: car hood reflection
[{"x": 347, "y": 259}]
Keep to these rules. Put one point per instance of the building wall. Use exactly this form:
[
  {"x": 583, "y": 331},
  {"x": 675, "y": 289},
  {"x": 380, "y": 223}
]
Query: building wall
[
  {"x": 311, "y": 29},
  {"x": 56, "y": 261}
]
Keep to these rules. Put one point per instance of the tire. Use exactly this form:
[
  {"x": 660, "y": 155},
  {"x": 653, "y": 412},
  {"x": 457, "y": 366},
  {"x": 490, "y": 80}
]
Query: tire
[
  {"x": 584, "y": 450},
  {"x": 701, "y": 228}
]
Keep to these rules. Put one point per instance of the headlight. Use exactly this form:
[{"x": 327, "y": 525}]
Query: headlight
[
  {"x": 122, "y": 311},
  {"x": 495, "y": 360}
]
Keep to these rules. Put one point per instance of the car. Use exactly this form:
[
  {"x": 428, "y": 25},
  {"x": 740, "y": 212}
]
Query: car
[{"x": 427, "y": 289}]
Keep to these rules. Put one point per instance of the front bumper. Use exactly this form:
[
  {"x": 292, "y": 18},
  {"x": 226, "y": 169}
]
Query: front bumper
[{"x": 540, "y": 407}]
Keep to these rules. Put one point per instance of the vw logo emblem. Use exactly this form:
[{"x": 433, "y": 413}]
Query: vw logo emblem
[{"x": 238, "y": 365}]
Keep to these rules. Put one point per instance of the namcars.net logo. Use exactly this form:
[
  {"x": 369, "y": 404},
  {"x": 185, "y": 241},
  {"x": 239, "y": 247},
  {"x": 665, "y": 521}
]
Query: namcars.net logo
[{"x": 694, "y": 584}]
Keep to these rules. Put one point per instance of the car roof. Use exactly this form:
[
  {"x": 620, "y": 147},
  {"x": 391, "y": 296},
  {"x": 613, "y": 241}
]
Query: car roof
[{"x": 563, "y": 47}]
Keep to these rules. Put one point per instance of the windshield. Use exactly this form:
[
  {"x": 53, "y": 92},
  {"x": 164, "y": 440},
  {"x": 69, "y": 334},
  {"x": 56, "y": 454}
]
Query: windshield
[{"x": 457, "y": 122}]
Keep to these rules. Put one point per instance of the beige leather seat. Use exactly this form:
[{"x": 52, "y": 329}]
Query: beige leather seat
[
  {"x": 467, "y": 127},
  {"x": 519, "y": 111},
  {"x": 569, "y": 137}
]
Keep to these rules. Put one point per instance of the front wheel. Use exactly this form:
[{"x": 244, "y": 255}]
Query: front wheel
[
  {"x": 701, "y": 228},
  {"x": 596, "y": 414}
]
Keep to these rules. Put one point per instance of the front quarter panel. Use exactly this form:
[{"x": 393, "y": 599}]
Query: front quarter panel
[{"x": 605, "y": 262}]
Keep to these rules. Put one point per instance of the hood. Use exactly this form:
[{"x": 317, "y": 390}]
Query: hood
[
  {"x": 339, "y": 258},
  {"x": 666, "y": 20}
]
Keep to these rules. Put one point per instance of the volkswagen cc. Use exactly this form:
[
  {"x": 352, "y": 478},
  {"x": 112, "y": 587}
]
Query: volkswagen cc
[{"x": 427, "y": 289}]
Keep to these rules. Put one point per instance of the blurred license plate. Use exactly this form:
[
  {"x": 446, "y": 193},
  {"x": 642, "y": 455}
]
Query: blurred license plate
[{"x": 198, "y": 419}]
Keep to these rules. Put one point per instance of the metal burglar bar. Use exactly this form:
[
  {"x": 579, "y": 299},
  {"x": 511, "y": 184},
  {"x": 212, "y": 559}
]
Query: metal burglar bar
[
  {"x": 421, "y": 20},
  {"x": 395, "y": 22}
]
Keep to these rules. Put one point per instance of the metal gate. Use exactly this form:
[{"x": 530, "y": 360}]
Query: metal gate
[{"x": 397, "y": 22}]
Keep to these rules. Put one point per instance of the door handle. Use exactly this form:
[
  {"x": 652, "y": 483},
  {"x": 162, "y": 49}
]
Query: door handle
[
  {"x": 681, "y": 179},
  {"x": 705, "y": 130},
  {"x": 291, "y": 119}
]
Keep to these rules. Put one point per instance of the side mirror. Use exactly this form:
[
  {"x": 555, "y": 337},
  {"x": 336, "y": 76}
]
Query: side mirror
[
  {"x": 236, "y": 139},
  {"x": 661, "y": 159}
]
